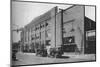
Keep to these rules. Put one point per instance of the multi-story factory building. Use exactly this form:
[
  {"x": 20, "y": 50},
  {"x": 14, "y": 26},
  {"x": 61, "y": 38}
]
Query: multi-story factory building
[{"x": 66, "y": 28}]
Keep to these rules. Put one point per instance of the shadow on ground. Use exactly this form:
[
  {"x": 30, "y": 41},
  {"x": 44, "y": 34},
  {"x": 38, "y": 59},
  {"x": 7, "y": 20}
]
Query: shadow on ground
[{"x": 63, "y": 57}]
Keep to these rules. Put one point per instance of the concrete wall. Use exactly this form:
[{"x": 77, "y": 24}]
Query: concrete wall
[
  {"x": 52, "y": 27},
  {"x": 74, "y": 18},
  {"x": 36, "y": 23}
]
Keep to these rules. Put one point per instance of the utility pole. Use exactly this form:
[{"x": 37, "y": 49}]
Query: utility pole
[{"x": 62, "y": 25}]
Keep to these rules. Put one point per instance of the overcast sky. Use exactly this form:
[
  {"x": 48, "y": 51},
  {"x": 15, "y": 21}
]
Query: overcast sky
[{"x": 24, "y": 12}]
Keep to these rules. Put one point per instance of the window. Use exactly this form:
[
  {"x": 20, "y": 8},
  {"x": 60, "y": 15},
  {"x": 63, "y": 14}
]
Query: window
[
  {"x": 41, "y": 26},
  {"x": 36, "y": 28},
  {"x": 46, "y": 24},
  {"x": 48, "y": 42},
  {"x": 32, "y": 38},
  {"x": 68, "y": 40},
  {"x": 91, "y": 38}
]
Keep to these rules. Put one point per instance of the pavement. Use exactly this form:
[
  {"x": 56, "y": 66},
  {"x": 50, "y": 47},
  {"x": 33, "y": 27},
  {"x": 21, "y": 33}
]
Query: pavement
[{"x": 31, "y": 58}]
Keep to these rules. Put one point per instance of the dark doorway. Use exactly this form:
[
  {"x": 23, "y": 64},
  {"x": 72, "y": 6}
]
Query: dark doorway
[
  {"x": 90, "y": 47},
  {"x": 69, "y": 44}
]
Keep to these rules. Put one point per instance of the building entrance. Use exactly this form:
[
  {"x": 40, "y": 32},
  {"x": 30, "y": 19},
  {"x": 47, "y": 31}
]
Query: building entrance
[
  {"x": 69, "y": 44},
  {"x": 90, "y": 46}
]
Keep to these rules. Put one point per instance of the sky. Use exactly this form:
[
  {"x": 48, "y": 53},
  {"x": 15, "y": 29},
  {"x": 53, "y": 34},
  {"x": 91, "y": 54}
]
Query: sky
[
  {"x": 24, "y": 12},
  {"x": 90, "y": 12}
]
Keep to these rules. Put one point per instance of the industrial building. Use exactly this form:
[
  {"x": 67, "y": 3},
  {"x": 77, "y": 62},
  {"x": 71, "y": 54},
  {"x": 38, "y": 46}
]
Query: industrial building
[{"x": 68, "y": 28}]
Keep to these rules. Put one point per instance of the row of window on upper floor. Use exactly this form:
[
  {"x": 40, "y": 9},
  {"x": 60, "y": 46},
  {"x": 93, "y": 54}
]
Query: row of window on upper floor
[
  {"x": 37, "y": 36},
  {"x": 40, "y": 26}
]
